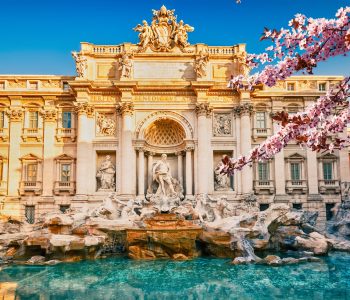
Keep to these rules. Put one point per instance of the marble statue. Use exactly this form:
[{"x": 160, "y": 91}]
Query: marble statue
[
  {"x": 244, "y": 68},
  {"x": 164, "y": 33},
  {"x": 146, "y": 34},
  {"x": 200, "y": 64},
  {"x": 221, "y": 180},
  {"x": 181, "y": 35},
  {"x": 165, "y": 192},
  {"x": 106, "y": 174},
  {"x": 80, "y": 64},
  {"x": 162, "y": 174},
  {"x": 125, "y": 65}
]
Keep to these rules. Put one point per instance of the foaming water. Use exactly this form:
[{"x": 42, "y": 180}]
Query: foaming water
[{"x": 119, "y": 278}]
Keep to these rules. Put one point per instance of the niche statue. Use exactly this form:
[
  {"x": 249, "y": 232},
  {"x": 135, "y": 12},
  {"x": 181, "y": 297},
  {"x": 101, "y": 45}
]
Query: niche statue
[{"x": 106, "y": 175}]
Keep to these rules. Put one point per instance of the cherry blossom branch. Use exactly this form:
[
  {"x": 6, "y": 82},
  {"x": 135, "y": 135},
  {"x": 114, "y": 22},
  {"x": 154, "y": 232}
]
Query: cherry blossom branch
[
  {"x": 301, "y": 47},
  {"x": 311, "y": 128}
]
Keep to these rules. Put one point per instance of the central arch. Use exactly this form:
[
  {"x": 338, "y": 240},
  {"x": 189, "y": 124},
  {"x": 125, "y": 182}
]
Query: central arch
[{"x": 164, "y": 132}]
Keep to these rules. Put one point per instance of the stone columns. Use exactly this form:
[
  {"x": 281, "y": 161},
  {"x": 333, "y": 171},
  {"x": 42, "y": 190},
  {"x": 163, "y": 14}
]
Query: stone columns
[
  {"x": 203, "y": 112},
  {"x": 238, "y": 152},
  {"x": 50, "y": 118},
  {"x": 312, "y": 177},
  {"x": 179, "y": 167},
  {"x": 189, "y": 175},
  {"x": 141, "y": 173},
  {"x": 280, "y": 170},
  {"x": 149, "y": 168},
  {"x": 244, "y": 110},
  {"x": 83, "y": 148},
  {"x": 15, "y": 115},
  {"x": 128, "y": 171}
]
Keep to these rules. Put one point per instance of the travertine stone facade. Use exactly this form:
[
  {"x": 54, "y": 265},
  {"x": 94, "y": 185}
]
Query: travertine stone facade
[{"x": 134, "y": 102}]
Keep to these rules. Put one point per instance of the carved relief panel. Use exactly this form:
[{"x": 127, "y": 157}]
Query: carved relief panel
[
  {"x": 105, "y": 124},
  {"x": 222, "y": 124}
]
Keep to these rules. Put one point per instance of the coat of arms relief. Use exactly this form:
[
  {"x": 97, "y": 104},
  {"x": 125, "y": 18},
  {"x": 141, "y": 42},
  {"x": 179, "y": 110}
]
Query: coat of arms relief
[{"x": 164, "y": 33}]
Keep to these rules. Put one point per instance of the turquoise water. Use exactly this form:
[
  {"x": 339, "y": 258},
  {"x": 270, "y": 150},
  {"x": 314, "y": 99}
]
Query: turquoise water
[{"x": 119, "y": 278}]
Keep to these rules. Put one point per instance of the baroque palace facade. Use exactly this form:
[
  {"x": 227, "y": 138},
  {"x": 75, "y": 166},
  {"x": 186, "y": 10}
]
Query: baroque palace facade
[{"x": 68, "y": 141}]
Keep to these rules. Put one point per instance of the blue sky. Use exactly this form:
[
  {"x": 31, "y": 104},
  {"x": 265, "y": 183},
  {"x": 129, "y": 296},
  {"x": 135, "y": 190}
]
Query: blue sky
[{"x": 37, "y": 36}]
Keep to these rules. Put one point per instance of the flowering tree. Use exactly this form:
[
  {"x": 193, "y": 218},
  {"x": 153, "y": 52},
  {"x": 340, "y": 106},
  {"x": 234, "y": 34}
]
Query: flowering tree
[{"x": 301, "y": 47}]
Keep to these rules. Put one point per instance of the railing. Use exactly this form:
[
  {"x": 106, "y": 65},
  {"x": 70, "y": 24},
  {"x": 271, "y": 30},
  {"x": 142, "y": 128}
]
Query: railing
[
  {"x": 329, "y": 185},
  {"x": 296, "y": 185},
  {"x": 221, "y": 50},
  {"x": 65, "y": 133},
  {"x": 4, "y": 133},
  {"x": 64, "y": 186},
  {"x": 107, "y": 49},
  {"x": 30, "y": 186},
  {"x": 260, "y": 185},
  {"x": 261, "y": 132},
  {"x": 36, "y": 133}
]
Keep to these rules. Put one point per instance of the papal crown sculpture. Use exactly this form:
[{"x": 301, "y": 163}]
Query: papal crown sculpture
[{"x": 164, "y": 33}]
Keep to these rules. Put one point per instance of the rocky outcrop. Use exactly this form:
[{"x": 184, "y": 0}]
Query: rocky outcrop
[
  {"x": 215, "y": 229},
  {"x": 165, "y": 236}
]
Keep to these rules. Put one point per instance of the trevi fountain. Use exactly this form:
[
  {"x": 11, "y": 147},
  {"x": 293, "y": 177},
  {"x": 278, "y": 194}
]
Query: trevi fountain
[{"x": 145, "y": 211}]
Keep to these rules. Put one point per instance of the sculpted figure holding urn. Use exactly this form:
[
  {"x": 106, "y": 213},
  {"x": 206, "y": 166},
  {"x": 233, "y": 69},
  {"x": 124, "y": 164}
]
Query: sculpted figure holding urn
[{"x": 106, "y": 174}]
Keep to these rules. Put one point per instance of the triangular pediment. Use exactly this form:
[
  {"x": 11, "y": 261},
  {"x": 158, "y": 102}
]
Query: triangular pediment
[
  {"x": 30, "y": 156},
  {"x": 64, "y": 157},
  {"x": 296, "y": 156}
]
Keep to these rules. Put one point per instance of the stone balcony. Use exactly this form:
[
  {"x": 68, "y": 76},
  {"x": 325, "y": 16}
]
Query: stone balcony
[
  {"x": 261, "y": 133},
  {"x": 32, "y": 134},
  {"x": 61, "y": 187},
  {"x": 3, "y": 188},
  {"x": 4, "y": 134},
  {"x": 30, "y": 187},
  {"x": 296, "y": 186},
  {"x": 264, "y": 186},
  {"x": 65, "y": 134},
  {"x": 329, "y": 186}
]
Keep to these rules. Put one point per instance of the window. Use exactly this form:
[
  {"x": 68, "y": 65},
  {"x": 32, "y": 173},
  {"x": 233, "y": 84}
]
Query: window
[
  {"x": 263, "y": 206},
  {"x": 263, "y": 169},
  {"x": 31, "y": 172},
  {"x": 33, "y": 85},
  {"x": 65, "y": 172},
  {"x": 322, "y": 87},
  {"x": 2, "y": 119},
  {"x": 260, "y": 120},
  {"x": 329, "y": 211},
  {"x": 30, "y": 213},
  {"x": 63, "y": 208},
  {"x": 2, "y": 85},
  {"x": 297, "y": 206},
  {"x": 295, "y": 171},
  {"x": 290, "y": 86},
  {"x": 33, "y": 119},
  {"x": 66, "y": 86},
  {"x": 327, "y": 171},
  {"x": 67, "y": 119}
]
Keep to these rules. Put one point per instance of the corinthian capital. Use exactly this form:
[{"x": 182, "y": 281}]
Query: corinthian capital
[
  {"x": 15, "y": 114},
  {"x": 245, "y": 108},
  {"x": 125, "y": 108},
  {"x": 84, "y": 108},
  {"x": 49, "y": 115},
  {"x": 203, "y": 109}
]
